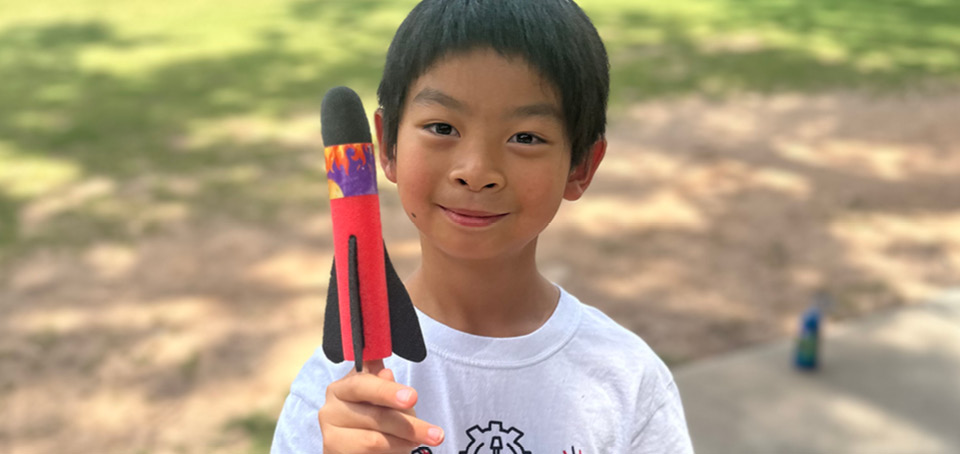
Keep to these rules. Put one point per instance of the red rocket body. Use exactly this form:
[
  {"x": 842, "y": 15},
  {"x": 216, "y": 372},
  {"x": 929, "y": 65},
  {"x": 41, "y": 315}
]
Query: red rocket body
[
  {"x": 369, "y": 314},
  {"x": 360, "y": 216}
]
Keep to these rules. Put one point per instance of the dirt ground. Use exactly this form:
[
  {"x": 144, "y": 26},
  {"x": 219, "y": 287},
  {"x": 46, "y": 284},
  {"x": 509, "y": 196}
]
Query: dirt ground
[{"x": 708, "y": 228}]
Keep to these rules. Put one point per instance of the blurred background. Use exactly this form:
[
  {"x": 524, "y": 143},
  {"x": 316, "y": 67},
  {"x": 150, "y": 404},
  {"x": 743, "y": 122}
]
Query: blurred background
[{"x": 165, "y": 241}]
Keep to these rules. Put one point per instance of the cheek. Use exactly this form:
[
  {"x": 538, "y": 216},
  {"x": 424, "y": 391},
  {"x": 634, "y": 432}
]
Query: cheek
[
  {"x": 541, "y": 190},
  {"x": 544, "y": 177},
  {"x": 413, "y": 181}
]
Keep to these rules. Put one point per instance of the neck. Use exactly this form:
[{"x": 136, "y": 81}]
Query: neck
[{"x": 502, "y": 297}]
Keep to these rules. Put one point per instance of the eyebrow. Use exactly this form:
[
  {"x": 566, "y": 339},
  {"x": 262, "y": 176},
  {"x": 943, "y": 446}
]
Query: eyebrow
[
  {"x": 433, "y": 96},
  {"x": 537, "y": 110}
]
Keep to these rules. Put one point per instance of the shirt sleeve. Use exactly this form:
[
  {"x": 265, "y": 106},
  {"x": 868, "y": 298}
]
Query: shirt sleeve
[
  {"x": 298, "y": 430},
  {"x": 665, "y": 431}
]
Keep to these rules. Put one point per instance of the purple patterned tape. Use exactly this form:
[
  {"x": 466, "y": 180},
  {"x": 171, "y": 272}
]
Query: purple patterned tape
[{"x": 351, "y": 170}]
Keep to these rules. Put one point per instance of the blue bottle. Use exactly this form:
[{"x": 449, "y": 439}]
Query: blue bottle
[{"x": 808, "y": 342}]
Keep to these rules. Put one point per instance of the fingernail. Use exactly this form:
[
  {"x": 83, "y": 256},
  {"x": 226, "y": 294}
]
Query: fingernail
[
  {"x": 404, "y": 395},
  {"x": 435, "y": 434}
]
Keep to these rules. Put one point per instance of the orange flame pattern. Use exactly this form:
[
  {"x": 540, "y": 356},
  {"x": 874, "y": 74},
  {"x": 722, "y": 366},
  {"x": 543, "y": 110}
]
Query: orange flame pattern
[{"x": 337, "y": 157}]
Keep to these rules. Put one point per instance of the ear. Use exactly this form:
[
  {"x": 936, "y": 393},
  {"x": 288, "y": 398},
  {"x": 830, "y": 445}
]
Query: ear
[
  {"x": 581, "y": 176},
  {"x": 388, "y": 165}
]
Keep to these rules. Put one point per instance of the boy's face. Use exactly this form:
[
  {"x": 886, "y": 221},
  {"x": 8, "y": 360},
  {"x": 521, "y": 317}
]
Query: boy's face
[{"x": 482, "y": 159}]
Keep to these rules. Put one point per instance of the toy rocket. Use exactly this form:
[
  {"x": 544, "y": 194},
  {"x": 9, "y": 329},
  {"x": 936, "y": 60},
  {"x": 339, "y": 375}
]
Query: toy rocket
[{"x": 369, "y": 314}]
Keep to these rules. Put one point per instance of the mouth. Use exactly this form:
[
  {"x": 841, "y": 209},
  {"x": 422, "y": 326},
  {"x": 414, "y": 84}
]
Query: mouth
[{"x": 472, "y": 218}]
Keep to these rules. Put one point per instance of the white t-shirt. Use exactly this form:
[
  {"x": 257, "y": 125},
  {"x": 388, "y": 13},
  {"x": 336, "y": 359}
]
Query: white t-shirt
[{"x": 580, "y": 384}]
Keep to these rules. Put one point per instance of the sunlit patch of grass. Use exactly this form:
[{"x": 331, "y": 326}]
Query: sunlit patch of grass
[{"x": 23, "y": 175}]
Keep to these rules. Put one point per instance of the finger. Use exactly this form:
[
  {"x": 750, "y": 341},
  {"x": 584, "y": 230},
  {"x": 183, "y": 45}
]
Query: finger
[
  {"x": 386, "y": 374},
  {"x": 389, "y": 421},
  {"x": 366, "y": 441},
  {"x": 375, "y": 390}
]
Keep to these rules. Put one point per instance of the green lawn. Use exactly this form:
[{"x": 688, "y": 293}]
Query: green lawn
[{"x": 120, "y": 118}]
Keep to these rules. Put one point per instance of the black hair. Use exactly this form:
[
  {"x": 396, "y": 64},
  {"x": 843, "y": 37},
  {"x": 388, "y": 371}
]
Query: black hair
[{"x": 554, "y": 36}]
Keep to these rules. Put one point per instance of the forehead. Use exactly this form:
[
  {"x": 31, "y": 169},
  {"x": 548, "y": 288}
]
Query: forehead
[{"x": 483, "y": 80}]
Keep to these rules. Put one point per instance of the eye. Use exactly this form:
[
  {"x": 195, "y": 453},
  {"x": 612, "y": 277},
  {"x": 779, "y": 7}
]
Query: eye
[
  {"x": 442, "y": 129},
  {"x": 527, "y": 139}
]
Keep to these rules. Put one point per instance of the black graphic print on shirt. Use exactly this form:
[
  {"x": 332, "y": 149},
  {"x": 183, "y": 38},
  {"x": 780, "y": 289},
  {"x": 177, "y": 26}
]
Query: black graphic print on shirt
[{"x": 494, "y": 440}]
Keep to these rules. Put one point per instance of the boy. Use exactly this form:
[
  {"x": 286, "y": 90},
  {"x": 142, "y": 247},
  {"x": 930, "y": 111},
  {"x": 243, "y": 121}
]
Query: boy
[{"x": 493, "y": 111}]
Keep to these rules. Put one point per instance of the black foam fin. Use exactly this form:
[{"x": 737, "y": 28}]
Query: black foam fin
[
  {"x": 332, "y": 342},
  {"x": 406, "y": 337}
]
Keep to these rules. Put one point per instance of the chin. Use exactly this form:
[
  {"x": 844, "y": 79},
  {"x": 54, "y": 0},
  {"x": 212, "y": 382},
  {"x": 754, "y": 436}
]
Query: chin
[{"x": 471, "y": 249}]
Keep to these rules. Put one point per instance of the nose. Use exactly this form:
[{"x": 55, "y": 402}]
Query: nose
[{"x": 478, "y": 168}]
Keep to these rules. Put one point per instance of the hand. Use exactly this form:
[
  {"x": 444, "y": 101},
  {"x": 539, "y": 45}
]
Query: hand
[{"x": 369, "y": 412}]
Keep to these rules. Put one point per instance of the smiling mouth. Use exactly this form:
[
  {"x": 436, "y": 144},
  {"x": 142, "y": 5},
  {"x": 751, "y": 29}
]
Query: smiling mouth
[{"x": 472, "y": 218}]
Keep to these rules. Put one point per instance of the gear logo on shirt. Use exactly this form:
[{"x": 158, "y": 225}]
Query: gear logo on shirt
[{"x": 494, "y": 440}]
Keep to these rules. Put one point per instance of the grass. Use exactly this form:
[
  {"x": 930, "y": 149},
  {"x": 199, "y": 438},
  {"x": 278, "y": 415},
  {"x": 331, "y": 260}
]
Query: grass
[
  {"x": 726, "y": 46},
  {"x": 258, "y": 427},
  {"x": 122, "y": 118}
]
